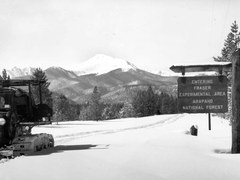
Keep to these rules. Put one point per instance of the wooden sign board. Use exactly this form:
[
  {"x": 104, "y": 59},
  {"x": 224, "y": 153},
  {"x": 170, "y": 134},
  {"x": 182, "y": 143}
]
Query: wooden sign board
[{"x": 202, "y": 94}]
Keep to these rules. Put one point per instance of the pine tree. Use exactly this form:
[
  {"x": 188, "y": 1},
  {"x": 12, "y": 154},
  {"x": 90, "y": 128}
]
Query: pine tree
[
  {"x": 5, "y": 76},
  {"x": 39, "y": 75},
  {"x": 85, "y": 113},
  {"x": 127, "y": 111},
  {"x": 139, "y": 102},
  {"x": 158, "y": 104},
  {"x": 166, "y": 103},
  {"x": 107, "y": 113},
  {"x": 230, "y": 44},
  {"x": 111, "y": 111},
  {"x": 150, "y": 102},
  {"x": 60, "y": 108},
  {"x": 144, "y": 102},
  {"x": 172, "y": 105},
  {"x": 95, "y": 105},
  {"x": 73, "y": 111}
]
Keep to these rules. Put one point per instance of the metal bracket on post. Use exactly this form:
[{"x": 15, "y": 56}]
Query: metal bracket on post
[
  {"x": 183, "y": 79},
  {"x": 220, "y": 70},
  {"x": 183, "y": 70}
]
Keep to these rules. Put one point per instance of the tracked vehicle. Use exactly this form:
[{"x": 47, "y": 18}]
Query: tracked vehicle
[{"x": 18, "y": 115}]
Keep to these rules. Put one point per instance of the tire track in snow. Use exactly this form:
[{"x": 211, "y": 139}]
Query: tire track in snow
[
  {"x": 152, "y": 125},
  {"x": 69, "y": 137}
]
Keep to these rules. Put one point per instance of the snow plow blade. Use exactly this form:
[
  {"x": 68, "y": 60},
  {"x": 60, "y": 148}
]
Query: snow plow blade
[
  {"x": 6, "y": 152},
  {"x": 28, "y": 144}
]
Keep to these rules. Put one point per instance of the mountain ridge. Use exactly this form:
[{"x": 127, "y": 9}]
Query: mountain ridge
[{"x": 112, "y": 76}]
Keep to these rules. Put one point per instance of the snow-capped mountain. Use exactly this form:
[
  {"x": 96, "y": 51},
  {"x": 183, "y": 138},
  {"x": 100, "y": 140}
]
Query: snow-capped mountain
[
  {"x": 101, "y": 64},
  {"x": 111, "y": 75},
  {"x": 20, "y": 72},
  {"x": 54, "y": 72},
  {"x": 98, "y": 65}
]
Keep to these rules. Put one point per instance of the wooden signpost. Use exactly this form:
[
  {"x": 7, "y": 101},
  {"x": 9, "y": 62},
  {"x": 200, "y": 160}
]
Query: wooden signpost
[
  {"x": 219, "y": 105},
  {"x": 203, "y": 94}
]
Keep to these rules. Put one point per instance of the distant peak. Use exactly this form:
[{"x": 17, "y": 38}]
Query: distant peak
[
  {"x": 101, "y": 64},
  {"x": 56, "y": 67},
  {"x": 18, "y": 72},
  {"x": 59, "y": 71}
]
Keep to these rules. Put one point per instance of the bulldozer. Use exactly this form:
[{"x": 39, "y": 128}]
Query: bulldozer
[{"x": 19, "y": 114}]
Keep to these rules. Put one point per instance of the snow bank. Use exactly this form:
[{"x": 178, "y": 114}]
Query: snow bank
[{"x": 157, "y": 147}]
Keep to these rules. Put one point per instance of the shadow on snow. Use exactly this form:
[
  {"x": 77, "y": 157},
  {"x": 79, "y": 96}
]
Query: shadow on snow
[
  {"x": 63, "y": 148},
  {"x": 222, "y": 151}
]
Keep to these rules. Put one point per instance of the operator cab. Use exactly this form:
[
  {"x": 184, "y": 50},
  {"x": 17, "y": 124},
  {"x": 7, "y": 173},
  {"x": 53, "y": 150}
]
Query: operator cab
[
  {"x": 5, "y": 98},
  {"x": 16, "y": 100},
  {"x": 23, "y": 105}
]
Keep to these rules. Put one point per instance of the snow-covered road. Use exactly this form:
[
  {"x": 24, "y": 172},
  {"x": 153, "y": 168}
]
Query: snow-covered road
[{"x": 156, "y": 147}]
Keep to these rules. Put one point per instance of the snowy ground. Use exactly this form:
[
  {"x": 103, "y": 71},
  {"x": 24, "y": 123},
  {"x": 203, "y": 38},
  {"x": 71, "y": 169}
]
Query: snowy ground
[{"x": 156, "y": 147}]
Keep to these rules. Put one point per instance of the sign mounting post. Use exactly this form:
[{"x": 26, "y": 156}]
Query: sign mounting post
[
  {"x": 236, "y": 102},
  {"x": 209, "y": 121}
]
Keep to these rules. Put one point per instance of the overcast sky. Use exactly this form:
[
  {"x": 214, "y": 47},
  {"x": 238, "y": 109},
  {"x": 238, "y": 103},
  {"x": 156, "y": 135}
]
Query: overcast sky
[{"x": 152, "y": 34}]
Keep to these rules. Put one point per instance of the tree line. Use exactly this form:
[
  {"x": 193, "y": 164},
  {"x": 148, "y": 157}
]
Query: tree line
[{"x": 142, "y": 103}]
